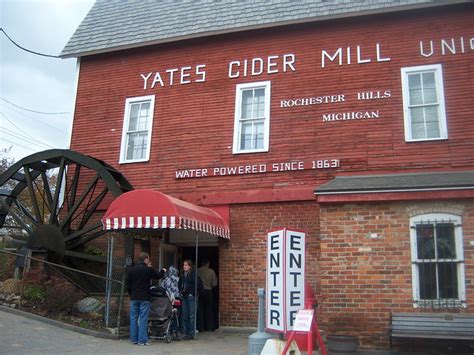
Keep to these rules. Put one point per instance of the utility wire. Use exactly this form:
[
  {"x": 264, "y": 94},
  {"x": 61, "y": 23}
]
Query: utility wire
[
  {"x": 27, "y": 50},
  {"x": 24, "y": 138},
  {"x": 40, "y": 112},
  {"x": 24, "y": 134},
  {"x": 34, "y": 119},
  {"x": 16, "y": 136},
  {"x": 16, "y": 143}
]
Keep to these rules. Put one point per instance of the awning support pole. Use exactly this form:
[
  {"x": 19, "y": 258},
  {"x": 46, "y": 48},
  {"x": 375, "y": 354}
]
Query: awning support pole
[{"x": 195, "y": 284}]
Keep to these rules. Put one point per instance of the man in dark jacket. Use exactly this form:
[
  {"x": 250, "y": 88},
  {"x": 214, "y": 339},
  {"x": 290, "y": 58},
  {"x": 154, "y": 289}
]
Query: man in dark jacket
[{"x": 138, "y": 286}]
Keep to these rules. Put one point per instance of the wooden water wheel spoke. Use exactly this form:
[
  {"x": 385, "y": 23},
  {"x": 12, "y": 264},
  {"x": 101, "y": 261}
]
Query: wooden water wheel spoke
[
  {"x": 32, "y": 192},
  {"x": 57, "y": 191},
  {"x": 74, "y": 185},
  {"x": 79, "y": 201},
  {"x": 85, "y": 238},
  {"x": 19, "y": 220},
  {"x": 26, "y": 213},
  {"x": 93, "y": 206},
  {"x": 48, "y": 198},
  {"x": 79, "y": 233}
]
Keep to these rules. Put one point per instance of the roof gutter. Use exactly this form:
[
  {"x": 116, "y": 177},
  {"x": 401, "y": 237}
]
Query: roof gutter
[{"x": 340, "y": 192}]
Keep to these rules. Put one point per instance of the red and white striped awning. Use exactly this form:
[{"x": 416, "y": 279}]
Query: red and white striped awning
[{"x": 149, "y": 209}]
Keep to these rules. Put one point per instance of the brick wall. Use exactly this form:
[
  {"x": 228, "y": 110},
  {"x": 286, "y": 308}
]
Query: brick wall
[
  {"x": 242, "y": 260},
  {"x": 365, "y": 265}
]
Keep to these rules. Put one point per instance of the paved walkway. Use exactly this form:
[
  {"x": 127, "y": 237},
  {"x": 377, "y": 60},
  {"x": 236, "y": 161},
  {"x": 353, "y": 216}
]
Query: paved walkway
[{"x": 20, "y": 335}]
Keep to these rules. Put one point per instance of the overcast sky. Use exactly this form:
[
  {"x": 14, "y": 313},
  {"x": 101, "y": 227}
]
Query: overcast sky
[{"x": 33, "y": 82}]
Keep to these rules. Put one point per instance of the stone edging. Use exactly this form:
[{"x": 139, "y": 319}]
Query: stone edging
[{"x": 59, "y": 324}]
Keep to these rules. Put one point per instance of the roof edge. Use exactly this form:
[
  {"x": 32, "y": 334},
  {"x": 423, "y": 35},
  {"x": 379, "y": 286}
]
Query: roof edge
[
  {"x": 437, "y": 3},
  {"x": 327, "y": 189}
]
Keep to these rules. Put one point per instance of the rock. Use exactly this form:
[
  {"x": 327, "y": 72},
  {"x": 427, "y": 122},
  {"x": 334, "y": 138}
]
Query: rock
[
  {"x": 13, "y": 305},
  {"x": 89, "y": 304}
]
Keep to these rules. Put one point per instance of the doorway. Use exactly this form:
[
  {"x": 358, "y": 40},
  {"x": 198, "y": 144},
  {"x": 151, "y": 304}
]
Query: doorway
[{"x": 212, "y": 254}]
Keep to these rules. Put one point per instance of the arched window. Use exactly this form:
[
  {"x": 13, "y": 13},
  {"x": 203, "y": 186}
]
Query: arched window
[{"x": 437, "y": 261}]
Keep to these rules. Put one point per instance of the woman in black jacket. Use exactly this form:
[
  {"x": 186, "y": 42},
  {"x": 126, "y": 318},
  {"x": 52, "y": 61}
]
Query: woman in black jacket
[{"x": 187, "y": 286}]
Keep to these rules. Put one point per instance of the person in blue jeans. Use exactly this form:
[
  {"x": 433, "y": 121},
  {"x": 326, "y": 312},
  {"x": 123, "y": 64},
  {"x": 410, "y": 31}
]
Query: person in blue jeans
[
  {"x": 189, "y": 297},
  {"x": 138, "y": 286}
]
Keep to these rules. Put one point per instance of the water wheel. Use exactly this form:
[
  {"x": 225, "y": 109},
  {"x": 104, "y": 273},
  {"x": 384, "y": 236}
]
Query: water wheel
[{"x": 52, "y": 200}]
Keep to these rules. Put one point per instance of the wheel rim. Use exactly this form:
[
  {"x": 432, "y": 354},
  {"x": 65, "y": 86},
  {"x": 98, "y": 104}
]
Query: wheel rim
[{"x": 58, "y": 216}]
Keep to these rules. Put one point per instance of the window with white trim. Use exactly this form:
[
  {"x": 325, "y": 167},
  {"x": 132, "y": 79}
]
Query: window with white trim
[
  {"x": 136, "y": 132},
  {"x": 423, "y": 103},
  {"x": 252, "y": 118},
  {"x": 437, "y": 261}
]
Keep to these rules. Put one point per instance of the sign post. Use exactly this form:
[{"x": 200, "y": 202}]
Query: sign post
[
  {"x": 285, "y": 278},
  {"x": 285, "y": 311}
]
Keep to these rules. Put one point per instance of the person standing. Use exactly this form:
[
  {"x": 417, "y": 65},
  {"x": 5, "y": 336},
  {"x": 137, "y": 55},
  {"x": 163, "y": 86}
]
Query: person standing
[
  {"x": 187, "y": 287},
  {"x": 138, "y": 287},
  {"x": 206, "y": 299}
]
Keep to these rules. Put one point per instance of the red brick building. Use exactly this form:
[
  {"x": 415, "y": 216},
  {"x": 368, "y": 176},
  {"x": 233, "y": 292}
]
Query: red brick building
[{"x": 350, "y": 122}]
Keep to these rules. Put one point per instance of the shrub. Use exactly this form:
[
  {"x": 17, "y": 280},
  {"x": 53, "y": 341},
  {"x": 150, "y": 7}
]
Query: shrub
[
  {"x": 91, "y": 249},
  {"x": 34, "y": 293},
  {"x": 61, "y": 295}
]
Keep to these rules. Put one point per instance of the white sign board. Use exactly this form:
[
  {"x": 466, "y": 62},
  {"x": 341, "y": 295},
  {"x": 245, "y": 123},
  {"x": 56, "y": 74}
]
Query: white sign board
[
  {"x": 285, "y": 278},
  {"x": 303, "y": 321}
]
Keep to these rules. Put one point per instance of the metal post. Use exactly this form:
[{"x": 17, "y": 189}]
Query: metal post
[
  {"x": 107, "y": 284},
  {"x": 195, "y": 284},
  {"x": 258, "y": 339},
  {"x": 122, "y": 288}
]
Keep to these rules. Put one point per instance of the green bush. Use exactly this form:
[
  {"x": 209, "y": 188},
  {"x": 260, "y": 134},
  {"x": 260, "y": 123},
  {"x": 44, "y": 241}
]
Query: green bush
[
  {"x": 34, "y": 293},
  {"x": 91, "y": 249}
]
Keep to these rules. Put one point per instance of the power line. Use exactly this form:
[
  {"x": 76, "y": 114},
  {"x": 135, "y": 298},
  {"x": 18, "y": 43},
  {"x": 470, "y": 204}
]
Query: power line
[
  {"x": 17, "y": 136},
  {"x": 24, "y": 138},
  {"x": 27, "y": 50},
  {"x": 40, "y": 112},
  {"x": 24, "y": 134},
  {"x": 15, "y": 143},
  {"x": 34, "y": 119}
]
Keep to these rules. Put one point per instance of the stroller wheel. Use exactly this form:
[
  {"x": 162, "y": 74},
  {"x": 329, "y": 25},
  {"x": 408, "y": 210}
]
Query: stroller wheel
[
  {"x": 168, "y": 338},
  {"x": 175, "y": 336}
]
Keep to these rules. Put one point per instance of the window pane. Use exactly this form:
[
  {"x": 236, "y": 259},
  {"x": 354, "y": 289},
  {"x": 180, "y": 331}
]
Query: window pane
[
  {"x": 425, "y": 241},
  {"x": 418, "y": 131},
  {"x": 259, "y": 103},
  {"x": 448, "y": 280},
  {"x": 429, "y": 88},
  {"x": 416, "y": 93},
  {"x": 432, "y": 130},
  {"x": 133, "y": 123},
  {"x": 432, "y": 124},
  {"x": 427, "y": 277},
  {"x": 431, "y": 114},
  {"x": 145, "y": 109},
  {"x": 247, "y": 103},
  {"x": 137, "y": 144},
  {"x": 259, "y": 135},
  {"x": 417, "y": 115},
  {"x": 246, "y": 136},
  {"x": 445, "y": 242}
]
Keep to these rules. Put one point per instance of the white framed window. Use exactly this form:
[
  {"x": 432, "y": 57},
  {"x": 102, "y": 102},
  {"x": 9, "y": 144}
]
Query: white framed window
[
  {"x": 437, "y": 261},
  {"x": 252, "y": 118},
  {"x": 136, "y": 132},
  {"x": 423, "y": 103}
]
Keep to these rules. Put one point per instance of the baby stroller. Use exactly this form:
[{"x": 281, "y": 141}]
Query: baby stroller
[{"x": 163, "y": 314}]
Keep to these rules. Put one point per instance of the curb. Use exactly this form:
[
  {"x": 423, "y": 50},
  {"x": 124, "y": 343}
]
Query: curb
[
  {"x": 236, "y": 330},
  {"x": 59, "y": 324}
]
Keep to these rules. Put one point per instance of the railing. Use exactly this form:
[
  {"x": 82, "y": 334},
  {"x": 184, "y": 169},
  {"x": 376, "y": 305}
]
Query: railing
[{"x": 57, "y": 291}]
